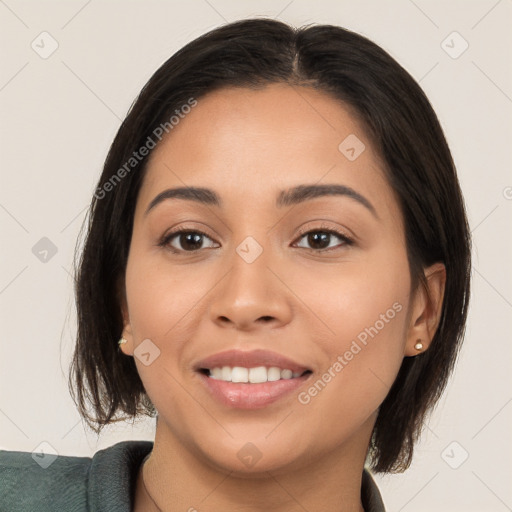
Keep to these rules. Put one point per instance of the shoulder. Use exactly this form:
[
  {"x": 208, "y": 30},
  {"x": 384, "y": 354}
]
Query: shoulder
[
  {"x": 370, "y": 494},
  {"x": 45, "y": 482},
  {"x": 27, "y": 482}
]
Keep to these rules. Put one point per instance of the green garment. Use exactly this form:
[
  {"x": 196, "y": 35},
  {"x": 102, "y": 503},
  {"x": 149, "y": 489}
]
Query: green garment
[{"x": 104, "y": 483}]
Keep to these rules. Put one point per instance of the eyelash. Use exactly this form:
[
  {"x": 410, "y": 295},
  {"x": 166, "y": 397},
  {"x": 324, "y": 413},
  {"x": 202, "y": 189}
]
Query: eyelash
[{"x": 166, "y": 239}]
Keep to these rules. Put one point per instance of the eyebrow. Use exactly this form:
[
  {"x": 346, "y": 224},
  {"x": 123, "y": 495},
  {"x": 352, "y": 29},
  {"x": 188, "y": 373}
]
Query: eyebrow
[{"x": 292, "y": 196}]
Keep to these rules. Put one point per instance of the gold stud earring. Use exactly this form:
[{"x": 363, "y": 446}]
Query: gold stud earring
[
  {"x": 419, "y": 345},
  {"x": 122, "y": 341}
]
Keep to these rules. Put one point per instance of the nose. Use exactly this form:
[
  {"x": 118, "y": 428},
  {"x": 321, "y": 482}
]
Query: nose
[{"x": 251, "y": 294}]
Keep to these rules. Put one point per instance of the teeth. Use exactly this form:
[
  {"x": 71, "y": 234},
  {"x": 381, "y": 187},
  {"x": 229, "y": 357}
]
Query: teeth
[
  {"x": 216, "y": 373},
  {"x": 226, "y": 373},
  {"x": 286, "y": 374},
  {"x": 257, "y": 375},
  {"x": 253, "y": 375},
  {"x": 239, "y": 374},
  {"x": 273, "y": 374}
]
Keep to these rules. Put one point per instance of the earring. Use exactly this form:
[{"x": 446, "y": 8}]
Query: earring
[
  {"x": 419, "y": 345},
  {"x": 122, "y": 341}
]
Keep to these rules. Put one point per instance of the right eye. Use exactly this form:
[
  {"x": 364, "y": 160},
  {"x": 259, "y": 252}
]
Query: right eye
[{"x": 190, "y": 240}]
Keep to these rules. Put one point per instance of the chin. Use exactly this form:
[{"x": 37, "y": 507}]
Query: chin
[{"x": 253, "y": 464}]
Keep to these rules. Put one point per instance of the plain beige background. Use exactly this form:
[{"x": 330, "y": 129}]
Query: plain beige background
[{"x": 59, "y": 113}]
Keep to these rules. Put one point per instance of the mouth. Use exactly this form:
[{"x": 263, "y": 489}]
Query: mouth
[{"x": 251, "y": 380}]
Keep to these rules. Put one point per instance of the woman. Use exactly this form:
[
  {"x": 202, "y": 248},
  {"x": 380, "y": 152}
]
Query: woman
[{"x": 277, "y": 266}]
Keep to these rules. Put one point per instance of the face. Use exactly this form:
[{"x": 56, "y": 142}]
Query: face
[{"x": 267, "y": 277}]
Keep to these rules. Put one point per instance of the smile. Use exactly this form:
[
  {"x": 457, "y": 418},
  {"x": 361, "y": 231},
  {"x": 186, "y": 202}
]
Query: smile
[{"x": 250, "y": 379}]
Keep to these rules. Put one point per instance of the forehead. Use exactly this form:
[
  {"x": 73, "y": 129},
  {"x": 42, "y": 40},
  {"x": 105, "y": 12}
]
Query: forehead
[{"x": 249, "y": 143}]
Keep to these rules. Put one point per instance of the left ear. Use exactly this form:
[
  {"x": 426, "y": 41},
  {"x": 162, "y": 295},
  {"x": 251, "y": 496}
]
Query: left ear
[
  {"x": 128, "y": 347},
  {"x": 426, "y": 310}
]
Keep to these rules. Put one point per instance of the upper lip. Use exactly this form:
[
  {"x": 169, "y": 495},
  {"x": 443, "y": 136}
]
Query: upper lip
[{"x": 250, "y": 359}]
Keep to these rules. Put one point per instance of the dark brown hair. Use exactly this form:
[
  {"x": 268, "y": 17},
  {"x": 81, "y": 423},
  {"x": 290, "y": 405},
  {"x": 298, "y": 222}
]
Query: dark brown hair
[{"x": 404, "y": 130}]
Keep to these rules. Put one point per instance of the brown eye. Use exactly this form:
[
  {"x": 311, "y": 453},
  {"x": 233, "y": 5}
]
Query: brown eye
[
  {"x": 320, "y": 240},
  {"x": 187, "y": 240}
]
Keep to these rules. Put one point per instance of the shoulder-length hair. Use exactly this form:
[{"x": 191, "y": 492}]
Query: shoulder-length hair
[{"x": 404, "y": 130}]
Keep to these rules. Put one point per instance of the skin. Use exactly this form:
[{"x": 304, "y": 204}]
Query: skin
[{"x": 248, "y": 145}]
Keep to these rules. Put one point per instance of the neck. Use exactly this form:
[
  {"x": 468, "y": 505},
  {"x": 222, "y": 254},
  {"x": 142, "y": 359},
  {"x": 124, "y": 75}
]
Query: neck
[{"x": 177, "y": 479}]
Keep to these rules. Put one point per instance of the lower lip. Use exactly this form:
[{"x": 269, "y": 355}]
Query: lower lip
[{"x": 251, "y": 396}]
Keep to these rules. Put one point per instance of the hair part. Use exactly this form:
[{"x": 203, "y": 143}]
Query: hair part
[{"x": 405, "y": 132}]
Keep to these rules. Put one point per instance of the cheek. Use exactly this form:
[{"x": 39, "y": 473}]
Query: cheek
[
  {"x": 158, "y": 296},
  {"x": 159, "y": 304},
  {"x": 351, "y": 297},
  {"x": 365, "y": 308}
]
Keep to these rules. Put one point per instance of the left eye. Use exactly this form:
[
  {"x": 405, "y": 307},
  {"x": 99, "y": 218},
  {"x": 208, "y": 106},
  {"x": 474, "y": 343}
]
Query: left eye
[{"x": 321, "y": 237}]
